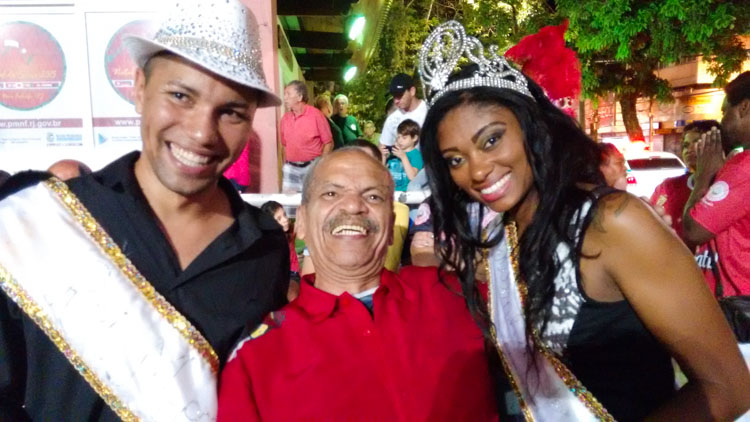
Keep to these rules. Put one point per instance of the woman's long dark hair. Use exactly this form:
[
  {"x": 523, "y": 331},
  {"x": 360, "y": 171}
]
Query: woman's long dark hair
[{"x": 561, "y": 157}]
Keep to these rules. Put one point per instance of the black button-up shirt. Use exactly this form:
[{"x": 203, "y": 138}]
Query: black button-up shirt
[{"x": 241, "y": 276}]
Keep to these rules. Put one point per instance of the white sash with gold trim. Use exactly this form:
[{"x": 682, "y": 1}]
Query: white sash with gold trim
[
  {"x": 138, "y": 353},
  {"x": 547, "y": 391}
]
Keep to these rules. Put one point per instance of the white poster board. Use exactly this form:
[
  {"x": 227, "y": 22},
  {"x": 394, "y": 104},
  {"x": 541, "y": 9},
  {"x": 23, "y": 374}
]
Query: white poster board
[
  {"x": 42, "y": 79},
  {"x": 66, "y": 82},
  {"x": 115, "y": 124}
]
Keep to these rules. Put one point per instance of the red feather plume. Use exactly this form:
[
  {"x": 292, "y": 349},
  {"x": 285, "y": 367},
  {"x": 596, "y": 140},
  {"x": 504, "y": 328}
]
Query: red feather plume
[{"x": 545, "y": 59}]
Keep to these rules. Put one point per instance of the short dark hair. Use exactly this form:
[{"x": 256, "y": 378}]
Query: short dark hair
[
  {"x": 408, "y": 127},
  {"x": 700, "y": 126},
  {"x": 738, "y": 89},
  {"x": 270, "y": 207},
  {"x": 365, "y": 144},
  {"x": 148, "y": 67},
  {"x": 301, "y": 89}
]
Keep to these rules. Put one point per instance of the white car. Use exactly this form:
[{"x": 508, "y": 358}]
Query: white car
[{"x": 647, "y": 169}]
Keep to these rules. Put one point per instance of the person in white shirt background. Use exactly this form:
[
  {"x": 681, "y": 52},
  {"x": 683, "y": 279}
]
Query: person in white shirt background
[{"x": 408, "y": 106}]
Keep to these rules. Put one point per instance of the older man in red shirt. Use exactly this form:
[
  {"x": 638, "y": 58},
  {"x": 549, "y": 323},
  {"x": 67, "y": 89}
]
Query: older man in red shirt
[
  {"x": 305, "y": 135},
  {"x": 360, "y": 342}
]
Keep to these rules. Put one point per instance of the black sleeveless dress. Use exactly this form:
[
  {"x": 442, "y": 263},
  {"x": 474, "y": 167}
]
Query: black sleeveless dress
[{"x": 605, "y": 344}]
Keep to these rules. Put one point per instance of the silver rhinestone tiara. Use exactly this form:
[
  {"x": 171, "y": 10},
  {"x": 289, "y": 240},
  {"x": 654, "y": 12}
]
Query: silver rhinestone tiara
[{"x": 440, "y": 54}]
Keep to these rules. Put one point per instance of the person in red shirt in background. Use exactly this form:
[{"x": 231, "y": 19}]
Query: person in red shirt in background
[
  {"x": 673, "y": 193},
  {"x": 612, "y": 166},
  {"x": 717, "y": 213},
  {"x": 375, "y": 345},
  {"x": 305, "y": 136}
]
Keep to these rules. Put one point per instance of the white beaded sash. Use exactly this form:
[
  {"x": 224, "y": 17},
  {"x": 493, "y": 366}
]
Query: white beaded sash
[
  {"x": 544, "y": 394},
  {"x": 137, "y": 352}
]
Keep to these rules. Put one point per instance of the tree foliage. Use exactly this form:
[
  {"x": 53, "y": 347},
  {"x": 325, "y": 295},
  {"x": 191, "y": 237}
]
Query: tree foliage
[
  {"x": 621, "y": 43},
  {"x": 410, "y": 21}
]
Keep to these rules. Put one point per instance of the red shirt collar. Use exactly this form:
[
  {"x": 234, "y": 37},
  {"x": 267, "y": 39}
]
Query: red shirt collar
[
  {"x": 304, "y": 111},
  {"x": 320, "y": 305}
]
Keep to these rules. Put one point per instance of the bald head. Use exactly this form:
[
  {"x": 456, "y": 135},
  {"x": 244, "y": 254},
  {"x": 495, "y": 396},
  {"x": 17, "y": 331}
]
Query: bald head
[{"x": 68, "y": 169}]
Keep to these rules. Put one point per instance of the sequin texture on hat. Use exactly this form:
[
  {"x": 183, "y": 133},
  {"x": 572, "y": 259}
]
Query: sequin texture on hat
[{"x": 220, "y": 36}]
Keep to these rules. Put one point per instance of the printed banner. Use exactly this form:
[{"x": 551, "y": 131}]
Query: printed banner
[
  {"x": 115, "y": 124},
  {"x": 42, "y": 81}
]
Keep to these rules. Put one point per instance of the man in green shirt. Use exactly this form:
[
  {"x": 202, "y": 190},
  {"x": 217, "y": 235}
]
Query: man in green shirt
[{"x": 345, "y": 122}]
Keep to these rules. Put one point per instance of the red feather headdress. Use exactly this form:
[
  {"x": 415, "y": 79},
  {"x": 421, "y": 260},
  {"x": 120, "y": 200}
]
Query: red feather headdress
[{"x": 545, "y": 59}]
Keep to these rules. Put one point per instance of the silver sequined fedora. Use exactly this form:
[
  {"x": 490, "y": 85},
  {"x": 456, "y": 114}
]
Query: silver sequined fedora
[{"x": 220, "y": 36}]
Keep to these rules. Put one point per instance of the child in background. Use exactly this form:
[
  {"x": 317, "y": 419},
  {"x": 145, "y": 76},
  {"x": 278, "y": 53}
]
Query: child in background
[
  {"x": 404, "y": 159},
  {"x": 276, "y": 210},
  {"x": 368, "y": 128}
]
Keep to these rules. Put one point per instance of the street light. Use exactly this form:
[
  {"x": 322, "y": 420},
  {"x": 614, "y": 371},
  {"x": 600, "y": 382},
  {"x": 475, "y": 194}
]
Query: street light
[
  {"x": 358, "y": 25},
  {"x": 349, "y": 73}
]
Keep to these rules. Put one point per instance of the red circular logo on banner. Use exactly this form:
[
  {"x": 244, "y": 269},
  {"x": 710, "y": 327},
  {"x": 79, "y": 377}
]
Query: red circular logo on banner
[
  {"x": 118, "y": 65},
  {"x": 32, "y": 66}
]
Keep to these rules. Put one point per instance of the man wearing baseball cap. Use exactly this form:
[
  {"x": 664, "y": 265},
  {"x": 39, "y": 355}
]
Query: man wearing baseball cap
[
  {"x": 408, "y": 106},
  {"x": 124, "y": 290}
]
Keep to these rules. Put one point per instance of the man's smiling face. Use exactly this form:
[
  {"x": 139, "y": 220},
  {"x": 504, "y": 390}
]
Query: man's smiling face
[
  {"x": 346, "y": 219},
  {"x": 194, "y": 124}
]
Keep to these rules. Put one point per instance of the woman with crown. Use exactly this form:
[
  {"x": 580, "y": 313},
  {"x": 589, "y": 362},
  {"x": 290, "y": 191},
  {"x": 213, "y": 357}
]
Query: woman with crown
[{"x": 589, "y": 294}]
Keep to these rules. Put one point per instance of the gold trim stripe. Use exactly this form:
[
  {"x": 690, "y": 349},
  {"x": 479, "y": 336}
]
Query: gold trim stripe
[
  {"x": 528, "y": 416},
  {"x": 16, "y": 293},
  {"x": 575, "y": 386},
  {"x": 111, "y": 250}
]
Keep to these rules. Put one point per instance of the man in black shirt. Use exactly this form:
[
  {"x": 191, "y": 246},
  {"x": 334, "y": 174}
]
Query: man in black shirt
[{"x": 123, "y": 291}]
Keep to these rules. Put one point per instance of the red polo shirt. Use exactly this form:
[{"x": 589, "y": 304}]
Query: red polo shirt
[
  {"x": 675, "y": 192},
  {"x": 304, "y": 135},
  {"x": 325, "y": 357},
  {"x": 725, "y": 212}
]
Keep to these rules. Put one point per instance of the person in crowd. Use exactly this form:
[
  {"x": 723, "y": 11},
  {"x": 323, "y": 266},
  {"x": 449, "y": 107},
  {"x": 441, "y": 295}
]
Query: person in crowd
[
  {"x": 276, "y": 210},
  {"x": 583, "y": 309},
  {"x": 717, "y": 214},
  {"x": 404, "y": 159},
  {"x": 400, "y": 223},
  {"x": 672, "y": 194},
  {"x": 407, "y": 106},
  {"x": 68, "y": 169},
  {"x": 359, "y": 342},
  {"x": 347, "y": 123},
  {"x": 368, "y": 129},
  {"x": 305, "y": 136},
  {"x": 323, "y": 103},
  {"x": 612, "y": 166},
  {"x": 124, "y": 290}
]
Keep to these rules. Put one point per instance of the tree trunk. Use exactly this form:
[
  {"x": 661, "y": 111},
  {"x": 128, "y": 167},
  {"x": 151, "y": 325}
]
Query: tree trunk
[
  {"x": 594, "y": 128},
  {"x": 630, "y": 117}
]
